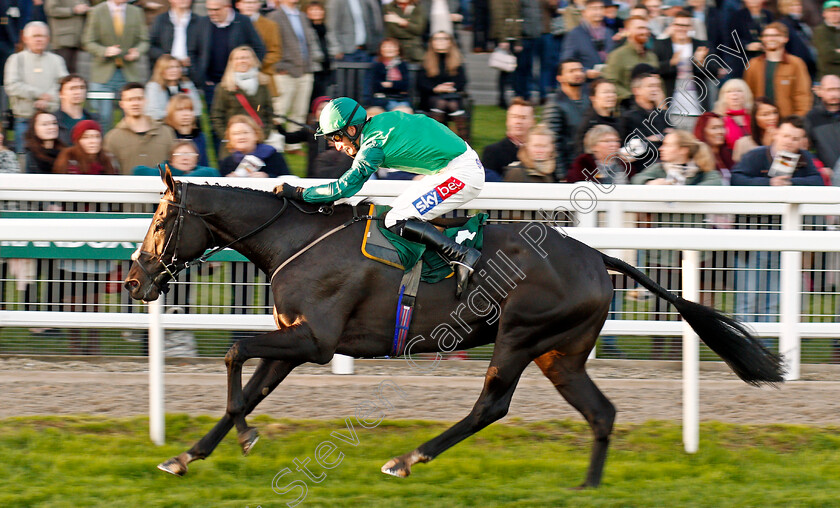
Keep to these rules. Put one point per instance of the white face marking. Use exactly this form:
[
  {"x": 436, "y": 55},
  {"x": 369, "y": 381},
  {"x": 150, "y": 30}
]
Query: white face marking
[{"x": 136, "y": 255}]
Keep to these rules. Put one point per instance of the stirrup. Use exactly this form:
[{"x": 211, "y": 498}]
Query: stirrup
[{"x": 468, "y": 267}]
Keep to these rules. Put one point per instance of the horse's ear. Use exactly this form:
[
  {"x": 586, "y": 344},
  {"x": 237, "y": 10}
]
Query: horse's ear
[{"x": 166, "y": 176}]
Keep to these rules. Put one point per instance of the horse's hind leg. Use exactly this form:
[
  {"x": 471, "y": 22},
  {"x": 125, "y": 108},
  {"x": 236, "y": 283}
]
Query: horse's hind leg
[
  {"x": 493, "y": 403},
  {"x": 266, "y": 377},
  {"x": 569, "y": 376}
]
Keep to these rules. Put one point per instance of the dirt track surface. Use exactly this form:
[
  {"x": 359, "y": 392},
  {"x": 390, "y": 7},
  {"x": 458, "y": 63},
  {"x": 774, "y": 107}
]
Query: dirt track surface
[{"x": 640, "y": 390}]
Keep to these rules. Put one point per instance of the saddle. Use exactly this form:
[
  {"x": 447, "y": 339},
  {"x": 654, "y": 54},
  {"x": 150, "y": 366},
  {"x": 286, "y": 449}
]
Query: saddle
[
  {"x": 417, "y": 263},
  {"x": 379, "y": 244}
]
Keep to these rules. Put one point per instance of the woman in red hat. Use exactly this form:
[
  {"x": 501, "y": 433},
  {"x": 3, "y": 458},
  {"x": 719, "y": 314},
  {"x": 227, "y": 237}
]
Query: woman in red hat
[{"x": 86, "y": 156}]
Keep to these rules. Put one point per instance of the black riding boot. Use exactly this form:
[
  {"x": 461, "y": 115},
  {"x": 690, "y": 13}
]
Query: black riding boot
[{"x": 462, "y": 258}]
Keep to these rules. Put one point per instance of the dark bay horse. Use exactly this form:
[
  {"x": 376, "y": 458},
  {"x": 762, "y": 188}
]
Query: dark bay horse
[{"x": 540, "y": 297}]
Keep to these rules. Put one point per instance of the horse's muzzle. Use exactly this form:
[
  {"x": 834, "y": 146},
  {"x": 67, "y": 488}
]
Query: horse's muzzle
[{"x": 142, "y": 285}]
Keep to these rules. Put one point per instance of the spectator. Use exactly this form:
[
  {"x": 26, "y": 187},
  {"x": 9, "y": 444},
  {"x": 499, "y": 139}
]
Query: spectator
[
  {"x": 269, "y": 33},
  {"x": 116, "y": 37},
  {"x": 827, "y": 39},
  {"x": 748, "y": 23},
  {"x": 301, "y": 58},
  {"x": 249, "y": 157},
  {"x": 823, "y": 122},
  {"x": 323, "y": 77},
  {"x": 8, "y": 158},
  {"x": 781, "y": 77},
  {"x": 644, "y": 118},
  {"x": 550, "y": 46},
  {"x": 8, "y": 31},
  {"x": 137, "y": 140},
  {"x": 564, "y": 112},
  {"x": 72, "y": 92},
  {"x": 442, "y": 82},
  {"x": 242, "y": 90},
  {"x": 405, "y": 22},
  {"x": 182, "y": 116},
  {"x": 222, "y": 30},
  {"x": 152, "y": 9},
  {"x": 799, "y": 34},
  {"x": 710, "y": 130},
  {"x": 481, "y": 25},
  {"x": 530, "y": 15},
  {"x": 735, "y": 101},
  {"x": 623, "y": 59},
  {"x": 506, "y": 30},
  {"x": 697, "y": 9},
  {"x": 167, "y": 81},
  {"x": 602, "y": 102},
  {"x": 182, "y": 161},
  {"x": 675, "y": 65},
  {"x": 354, "y": 29},
  {"x": 31, "y": 78},
  {"x": 67, "y": 21},
  {"x": 596, "y": 163},
  {"x": 389, "y": 80},
  {"x": 41, "y": 143},
  {"x": 320, "y": 154},
  {"x": 590, "y": 42},
  {"x": 573, "y": 14},
  {"x": 757, "y": 274},
  {"x": 763, "y": 124},
  {"x": 683, "y": 161},
  {"x": 518, "y": 121},
  {"x": 178, "y": 33},
  {"x": 754, "y": 167},
  {"x": 657, "y": 21},
  {"x": 535, "y": 159},
  {"x": 85, "y": 156},
  {"x": 443, "y": 15}
]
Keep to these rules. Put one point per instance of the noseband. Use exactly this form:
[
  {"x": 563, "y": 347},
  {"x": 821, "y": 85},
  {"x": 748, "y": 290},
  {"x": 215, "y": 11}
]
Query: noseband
[{"x": 174, "y": 267}]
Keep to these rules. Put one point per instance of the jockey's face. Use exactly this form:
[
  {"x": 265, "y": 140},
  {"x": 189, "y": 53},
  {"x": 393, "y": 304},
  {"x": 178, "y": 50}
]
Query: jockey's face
[{"x": 346, "y": 145}]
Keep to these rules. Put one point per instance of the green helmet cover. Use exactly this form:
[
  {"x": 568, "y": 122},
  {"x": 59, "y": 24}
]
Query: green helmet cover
[{"x": 339, "y": 114}]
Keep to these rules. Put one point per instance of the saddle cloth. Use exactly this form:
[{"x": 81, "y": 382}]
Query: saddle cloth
[{"x": 386, "y": 247}]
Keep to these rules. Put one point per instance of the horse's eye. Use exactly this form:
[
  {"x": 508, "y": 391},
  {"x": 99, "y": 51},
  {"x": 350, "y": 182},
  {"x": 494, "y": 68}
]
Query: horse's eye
[{"x": 158, "y": 227}]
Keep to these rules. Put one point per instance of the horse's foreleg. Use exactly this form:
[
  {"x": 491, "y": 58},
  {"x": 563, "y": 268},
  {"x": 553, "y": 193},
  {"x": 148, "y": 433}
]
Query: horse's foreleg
[
  {"x": 493, "y": 403},
  {"x": 294, "y": 344},
  {"x": 266, "y": 377}
]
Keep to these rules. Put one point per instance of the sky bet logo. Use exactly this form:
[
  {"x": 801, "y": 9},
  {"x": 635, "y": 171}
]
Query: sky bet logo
[{"x": 437, "y": 195}]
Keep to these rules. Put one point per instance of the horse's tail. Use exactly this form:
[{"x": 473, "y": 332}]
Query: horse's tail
[{"x": 745, "y": 354}]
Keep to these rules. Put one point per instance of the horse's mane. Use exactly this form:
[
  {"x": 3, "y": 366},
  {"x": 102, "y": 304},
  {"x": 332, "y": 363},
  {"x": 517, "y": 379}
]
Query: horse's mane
[{"x": 363, "y": 202}]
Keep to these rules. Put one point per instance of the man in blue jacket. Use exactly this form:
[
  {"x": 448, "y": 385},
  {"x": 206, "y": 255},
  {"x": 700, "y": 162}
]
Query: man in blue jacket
[
  {"x": 754, "y": 167},
  {"x": 591, "y": 41}
]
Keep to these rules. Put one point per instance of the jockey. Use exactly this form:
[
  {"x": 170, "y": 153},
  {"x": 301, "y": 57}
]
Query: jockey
[{"x": 413, "y": 143}]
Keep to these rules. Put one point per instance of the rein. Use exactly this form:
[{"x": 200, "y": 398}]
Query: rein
[
  {"x": 173, "y": 268},
  {"x": 356, "y": 218}
]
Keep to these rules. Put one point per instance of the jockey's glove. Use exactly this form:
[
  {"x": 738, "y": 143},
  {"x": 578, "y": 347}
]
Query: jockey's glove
[{"x": 289, "y": 191}]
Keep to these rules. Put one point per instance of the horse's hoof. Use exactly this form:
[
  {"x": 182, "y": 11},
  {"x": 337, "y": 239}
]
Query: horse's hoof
[
  {"x": 173, "y": 466},
  {"x": 396, "y": 467},
  {"x": 248, "y": 439}
]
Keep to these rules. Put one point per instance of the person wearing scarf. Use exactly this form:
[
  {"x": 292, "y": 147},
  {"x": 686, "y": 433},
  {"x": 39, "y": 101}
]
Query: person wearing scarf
[
  {"x": 85, "y": 156},
  {"x": 242, "y": 91},
  {"x": 683, "y": 161},
  {"x": 249, "y": 156},
  {"x": 733, "y": 105}
]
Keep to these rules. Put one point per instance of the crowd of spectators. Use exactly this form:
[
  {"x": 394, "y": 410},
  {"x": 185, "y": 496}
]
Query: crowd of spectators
[{"x": 645, "y": 70}]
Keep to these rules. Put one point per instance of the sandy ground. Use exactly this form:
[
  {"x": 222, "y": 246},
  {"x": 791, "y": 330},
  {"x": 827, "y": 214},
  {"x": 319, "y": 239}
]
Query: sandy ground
[{"x": 640, "y": 390}]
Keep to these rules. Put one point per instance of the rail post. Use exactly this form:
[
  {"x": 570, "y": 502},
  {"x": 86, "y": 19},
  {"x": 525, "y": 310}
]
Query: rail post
[
  {"x": 691, "y": 355},
  {"x": 157, "y": 423}
]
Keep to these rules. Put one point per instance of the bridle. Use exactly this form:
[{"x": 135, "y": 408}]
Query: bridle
[{"x": 174, "y": 266}]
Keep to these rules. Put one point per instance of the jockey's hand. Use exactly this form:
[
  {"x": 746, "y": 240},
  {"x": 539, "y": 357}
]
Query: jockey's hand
[{"x": 289, "y": 191}]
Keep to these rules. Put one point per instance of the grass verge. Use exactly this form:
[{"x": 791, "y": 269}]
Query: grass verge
[{"x": 95, "y": 461}]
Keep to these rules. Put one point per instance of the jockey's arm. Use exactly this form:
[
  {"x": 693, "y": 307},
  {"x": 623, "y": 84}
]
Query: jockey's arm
[{"x": 366, "y": 162}]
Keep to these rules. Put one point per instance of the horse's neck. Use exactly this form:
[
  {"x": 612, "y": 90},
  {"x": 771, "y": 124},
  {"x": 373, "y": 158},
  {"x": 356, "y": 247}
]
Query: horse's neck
[{"x": 236, "y": 214}]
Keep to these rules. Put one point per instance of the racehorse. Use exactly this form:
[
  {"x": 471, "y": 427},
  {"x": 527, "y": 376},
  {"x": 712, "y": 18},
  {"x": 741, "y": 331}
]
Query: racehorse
[{"x": 553, "y": 298}]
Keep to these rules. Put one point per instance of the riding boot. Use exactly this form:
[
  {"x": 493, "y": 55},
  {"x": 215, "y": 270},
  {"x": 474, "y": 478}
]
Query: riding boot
[{"x": 462, "y": 258}]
